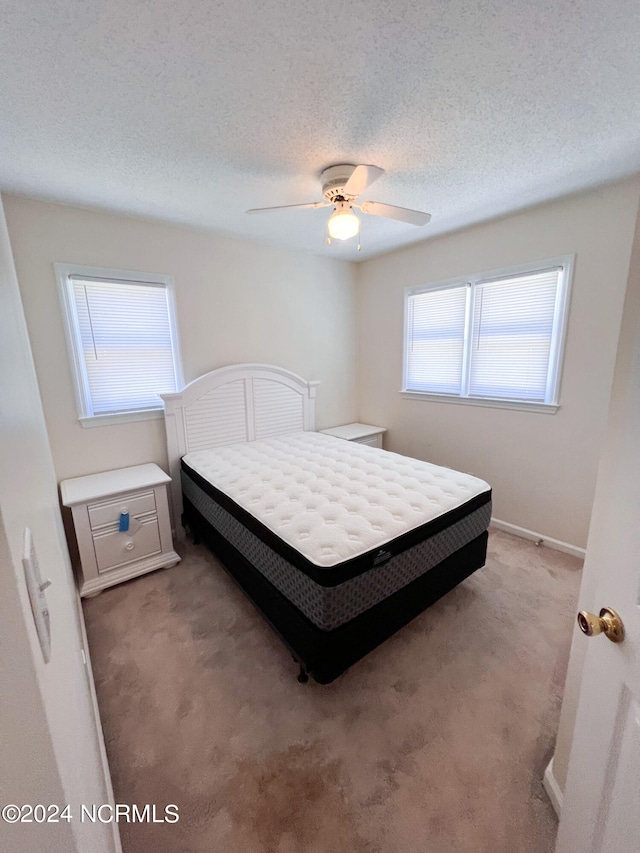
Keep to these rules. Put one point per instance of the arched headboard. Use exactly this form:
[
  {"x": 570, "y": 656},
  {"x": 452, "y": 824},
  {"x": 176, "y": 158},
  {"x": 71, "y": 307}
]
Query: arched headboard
[{"x": 242, "y": 402}]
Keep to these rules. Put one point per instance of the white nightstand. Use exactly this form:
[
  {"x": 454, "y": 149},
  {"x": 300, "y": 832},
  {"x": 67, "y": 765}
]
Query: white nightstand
[
  {"x": 107, "y": 555},
  {"x": 360, "y": 433}
]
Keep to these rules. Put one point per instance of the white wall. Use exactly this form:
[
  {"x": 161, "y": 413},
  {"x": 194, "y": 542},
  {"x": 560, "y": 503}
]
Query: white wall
[
  {"x": 50, "y": 748},
  {"x": 542, "y": 467},
  {"x": 236, "y": 301}
]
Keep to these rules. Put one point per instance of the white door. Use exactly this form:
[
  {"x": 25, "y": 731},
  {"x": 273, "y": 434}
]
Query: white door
[
  {"x": 601, "y": 809},
  {"x": 51, "y": 746}
]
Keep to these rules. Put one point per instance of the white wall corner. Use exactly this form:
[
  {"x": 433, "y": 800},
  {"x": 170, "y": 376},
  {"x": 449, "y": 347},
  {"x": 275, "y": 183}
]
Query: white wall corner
[
  {"x": 538, "y": 538},
  {"x": 550, "y": 784}
]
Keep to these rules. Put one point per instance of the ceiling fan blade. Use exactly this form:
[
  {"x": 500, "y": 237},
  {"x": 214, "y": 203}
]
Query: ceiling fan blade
[
  {"x": 289, "y": 206},
  {"x": 403, "y": 214},
  {"x": 361, "y": 178}
]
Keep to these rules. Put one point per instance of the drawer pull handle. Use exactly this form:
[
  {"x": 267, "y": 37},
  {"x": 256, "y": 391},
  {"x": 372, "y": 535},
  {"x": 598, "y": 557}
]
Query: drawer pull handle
[{"x": 129, "y": 546}]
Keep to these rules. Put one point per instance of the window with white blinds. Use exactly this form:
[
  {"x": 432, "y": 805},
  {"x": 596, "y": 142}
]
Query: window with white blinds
[
  {"x": 495, "y": 337},
  {"x": 436, "y": 340},
  {"x": 122, "y": 338}
]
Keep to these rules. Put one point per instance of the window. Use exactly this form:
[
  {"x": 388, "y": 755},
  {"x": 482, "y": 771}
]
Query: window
[
  {"x": 122, "y": 338},
  {"x": 493, "y": 339}
]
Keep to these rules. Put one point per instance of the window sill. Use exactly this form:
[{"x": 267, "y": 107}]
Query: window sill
[
  {"x": 121, "y": 418},
  {"x": 487, "y": 402}
]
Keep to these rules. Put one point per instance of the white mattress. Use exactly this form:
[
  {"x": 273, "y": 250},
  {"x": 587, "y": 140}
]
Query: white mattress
[{"x": 330, "y": 499}]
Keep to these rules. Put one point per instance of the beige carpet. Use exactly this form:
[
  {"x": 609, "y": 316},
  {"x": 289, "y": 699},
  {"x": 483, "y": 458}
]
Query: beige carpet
[{"x": 436, "y": 741}]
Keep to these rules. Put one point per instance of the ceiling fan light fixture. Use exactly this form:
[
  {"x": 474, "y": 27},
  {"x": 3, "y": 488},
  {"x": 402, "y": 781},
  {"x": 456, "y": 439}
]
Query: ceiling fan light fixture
[
  {"x": 343, "y": 223},
  {"x": 342, "y": 184}
]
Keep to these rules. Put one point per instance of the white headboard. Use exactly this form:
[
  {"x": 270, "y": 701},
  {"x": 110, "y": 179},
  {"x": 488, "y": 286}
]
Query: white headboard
[{"x": 242, "y": 402}]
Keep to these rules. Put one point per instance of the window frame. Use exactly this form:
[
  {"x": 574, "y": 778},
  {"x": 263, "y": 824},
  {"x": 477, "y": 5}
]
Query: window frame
[
  {"x": 64, "y": 273},
  {"x": 551, "y": 403}
]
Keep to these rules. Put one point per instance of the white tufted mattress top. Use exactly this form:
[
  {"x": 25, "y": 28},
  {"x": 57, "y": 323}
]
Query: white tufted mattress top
[{"x": 330, "y": 499}]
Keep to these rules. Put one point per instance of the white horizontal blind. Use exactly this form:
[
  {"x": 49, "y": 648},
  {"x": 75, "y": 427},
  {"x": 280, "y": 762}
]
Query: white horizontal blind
[
  {"x": 513, "y": 322},
  {"x": 435, "y": 340},
  {"x": 125, "y": 335},
  {"x": 494, "y": 337}
]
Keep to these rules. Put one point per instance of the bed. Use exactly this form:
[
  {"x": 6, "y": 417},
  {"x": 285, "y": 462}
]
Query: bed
[{"x": 337, "y": 544}]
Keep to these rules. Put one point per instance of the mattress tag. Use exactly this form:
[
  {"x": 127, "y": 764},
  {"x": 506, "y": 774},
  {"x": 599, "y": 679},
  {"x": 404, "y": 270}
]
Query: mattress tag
[{"x": 381, "y": 557}]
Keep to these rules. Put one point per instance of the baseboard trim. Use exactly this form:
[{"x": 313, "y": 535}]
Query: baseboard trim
[
  {"x": 540, "y": 538},
  {"x": 550, "y": 784}
]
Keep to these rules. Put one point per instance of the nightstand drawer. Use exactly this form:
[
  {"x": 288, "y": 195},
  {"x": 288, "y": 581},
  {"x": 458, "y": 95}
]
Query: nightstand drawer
[
  {"x": 108, "y": 512},
  {"x": 114, "y": 548},
  {"x": 372, "y": 441},
  {"x": 358, "y": 433}
]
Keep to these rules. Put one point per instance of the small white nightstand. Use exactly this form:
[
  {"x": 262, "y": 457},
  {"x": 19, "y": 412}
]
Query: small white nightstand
[
  {"x": 360, "y": 433},
  {"x": 107, "y": 555}
]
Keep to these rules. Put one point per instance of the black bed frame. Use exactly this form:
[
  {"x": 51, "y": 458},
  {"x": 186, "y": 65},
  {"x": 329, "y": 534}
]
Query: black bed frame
[{"x": 326, "y": 654}]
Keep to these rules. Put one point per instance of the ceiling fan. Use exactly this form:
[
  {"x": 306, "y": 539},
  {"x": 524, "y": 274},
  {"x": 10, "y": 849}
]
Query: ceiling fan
[{"x": 341, "y": 186}]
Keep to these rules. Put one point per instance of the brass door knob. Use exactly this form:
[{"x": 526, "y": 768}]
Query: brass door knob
[{"x": 607, "y": 623}]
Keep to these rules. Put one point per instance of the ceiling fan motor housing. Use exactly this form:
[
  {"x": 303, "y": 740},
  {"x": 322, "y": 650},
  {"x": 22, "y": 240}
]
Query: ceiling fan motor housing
[{"x": 333, "y": 180}]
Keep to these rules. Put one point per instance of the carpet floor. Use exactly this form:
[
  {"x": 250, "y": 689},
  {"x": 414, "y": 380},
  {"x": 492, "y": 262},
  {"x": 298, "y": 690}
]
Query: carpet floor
[{"x": 436, "y": 741}]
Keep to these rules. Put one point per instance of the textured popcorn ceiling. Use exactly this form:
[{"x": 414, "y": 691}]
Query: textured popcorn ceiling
[{"x": 195, "y": 110}]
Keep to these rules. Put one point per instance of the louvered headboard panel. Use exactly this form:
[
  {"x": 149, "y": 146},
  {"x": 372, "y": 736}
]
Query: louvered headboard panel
[
  {"x": 218, "y": 417},
  {"x": 276, "y": 409},
  {"x": 243, "y": 402}
]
